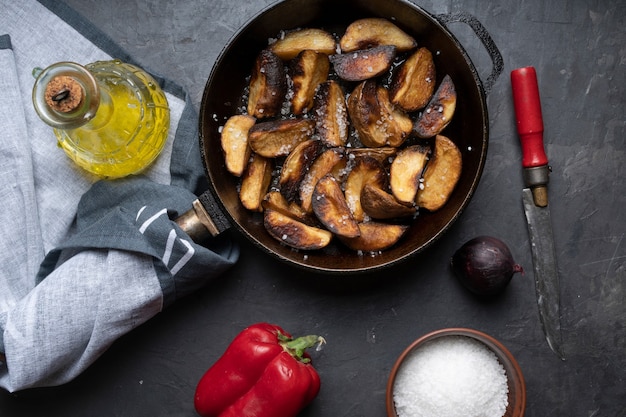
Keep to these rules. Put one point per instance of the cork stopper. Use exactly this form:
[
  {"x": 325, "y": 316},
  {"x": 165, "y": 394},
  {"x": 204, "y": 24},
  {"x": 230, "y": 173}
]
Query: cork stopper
[{"x": 63, "y": 94}]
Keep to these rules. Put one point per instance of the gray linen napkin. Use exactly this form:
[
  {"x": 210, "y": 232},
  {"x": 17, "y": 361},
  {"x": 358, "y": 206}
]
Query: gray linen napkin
[{"x": 84, "y": 261}]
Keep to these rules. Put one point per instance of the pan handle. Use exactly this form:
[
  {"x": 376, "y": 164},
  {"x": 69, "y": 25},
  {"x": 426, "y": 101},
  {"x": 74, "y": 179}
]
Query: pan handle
[
  {"x": 204, "y": 219},
  {"x": 485, "y": 38}
]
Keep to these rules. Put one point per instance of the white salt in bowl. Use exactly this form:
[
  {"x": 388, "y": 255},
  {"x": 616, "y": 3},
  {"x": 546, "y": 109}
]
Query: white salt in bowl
[{"x": 447, "y": 359}]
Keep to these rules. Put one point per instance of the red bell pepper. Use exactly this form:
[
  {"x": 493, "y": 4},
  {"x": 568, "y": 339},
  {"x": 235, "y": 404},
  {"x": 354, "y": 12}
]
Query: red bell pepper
[{"x": 263, "y": 373}]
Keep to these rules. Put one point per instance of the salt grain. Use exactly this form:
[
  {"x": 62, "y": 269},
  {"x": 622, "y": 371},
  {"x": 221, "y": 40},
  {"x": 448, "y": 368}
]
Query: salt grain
[{"x": 451, "y": 376}]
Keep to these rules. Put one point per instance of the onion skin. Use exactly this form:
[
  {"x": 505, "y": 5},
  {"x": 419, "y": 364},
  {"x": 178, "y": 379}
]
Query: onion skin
[{"x": 484, "y": 265}]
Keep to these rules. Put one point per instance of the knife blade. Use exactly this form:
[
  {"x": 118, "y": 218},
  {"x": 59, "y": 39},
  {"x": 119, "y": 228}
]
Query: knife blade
[{"x": 536, "y": 170}]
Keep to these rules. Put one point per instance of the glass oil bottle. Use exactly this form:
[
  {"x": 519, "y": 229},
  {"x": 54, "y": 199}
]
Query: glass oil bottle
[{"x": 111, "y": 118}]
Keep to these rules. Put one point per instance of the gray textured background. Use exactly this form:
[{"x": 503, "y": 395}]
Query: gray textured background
[{"x": 579, "y": 50}]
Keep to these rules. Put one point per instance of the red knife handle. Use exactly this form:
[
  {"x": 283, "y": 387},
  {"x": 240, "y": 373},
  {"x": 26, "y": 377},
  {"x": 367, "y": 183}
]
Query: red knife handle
[{"x": 528, "y": 116}]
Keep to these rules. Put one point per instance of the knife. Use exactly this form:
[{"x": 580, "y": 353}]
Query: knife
[{"x": 535, "y": 201}]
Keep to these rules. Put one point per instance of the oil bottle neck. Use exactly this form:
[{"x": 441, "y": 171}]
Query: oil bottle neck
[{"x": 66, "y": 95}]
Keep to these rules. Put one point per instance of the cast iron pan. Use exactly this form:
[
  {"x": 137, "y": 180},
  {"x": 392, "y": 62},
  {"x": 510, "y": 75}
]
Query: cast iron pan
[{"x": 230, "y": 75}]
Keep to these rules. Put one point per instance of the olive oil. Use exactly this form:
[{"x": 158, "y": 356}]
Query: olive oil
[{"x": 123, "y": 132}]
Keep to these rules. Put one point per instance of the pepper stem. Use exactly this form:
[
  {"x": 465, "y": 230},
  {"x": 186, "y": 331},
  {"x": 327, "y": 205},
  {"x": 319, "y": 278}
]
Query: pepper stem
[{"x": 296, "y": 347}]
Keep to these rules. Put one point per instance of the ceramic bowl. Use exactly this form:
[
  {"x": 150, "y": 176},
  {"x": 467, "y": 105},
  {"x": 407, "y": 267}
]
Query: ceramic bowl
[{"x": 515, "y": 379}]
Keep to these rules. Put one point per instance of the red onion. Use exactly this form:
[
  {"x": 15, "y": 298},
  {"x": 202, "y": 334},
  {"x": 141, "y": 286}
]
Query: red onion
[{"x": 484, "y": 265}]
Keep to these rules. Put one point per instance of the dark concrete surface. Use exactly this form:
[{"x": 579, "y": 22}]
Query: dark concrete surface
[{"x": 579, "y": 50}]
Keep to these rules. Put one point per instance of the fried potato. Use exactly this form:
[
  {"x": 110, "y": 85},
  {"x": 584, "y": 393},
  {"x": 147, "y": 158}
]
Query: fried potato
[
  {"x": 369, "y": 32},
  {"x": 406, "y": 171},
  {"x": 363, "y": 64},
  {"x": 413, "y": 83},
  {"x": 331, "y": 114},
  {"x": 366, "y": 170},
  {"x": 234, "y": 139},
  {"x": 439, "y": 111},
  {"x": 308, "y": 71},
  {"x": 324, "y": 164},
  {"x": 292, "y": 43},
  {"x": 441, "y": 176},
  {"x": 255, "y": 182},
  {"x": 296, "y": 166},
  {"x": 375, "y": 236},
  {"x": 268, "y": 86},
  {"x": 379, "y": 204},
  {"x": 279, "y": 137},
  {"x": 395, "y": 122},
  {"x": 274, "y": 200},
  {"x": 382, "y": 155},
  {"x": 294, "y": 233},
  {"x": 361, "y": 101},
  {"x": 376, "y": 120},
  {"x": 330, "y": 207}
]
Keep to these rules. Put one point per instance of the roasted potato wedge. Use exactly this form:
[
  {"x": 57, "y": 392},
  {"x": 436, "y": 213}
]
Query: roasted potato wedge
[
  {"x": 360, "y": 103},
  {"x": 384, "y": 154},
  {"x": 376, "y": 120},
  {"x": 375, "y": 236},
  {"x": 308, "y": 71},
  {"x": 279, "y": 137},
  {"x": 234, "y": 139},
  {"x": 395, "y": 122},
  {"x": 406, "y": 172},
  {"x": 365, "y": 63},
  {"x": 366, "y": 170},
  {"x": 379, "y": 204},
  {"x": 441, "y": 176},
  {"x": 324, "y": 164},
  {"x": 439, "y": 111},
  {"x": 331, "y": 114},
  {"x": 331, "y": 209},
  {"x": 292, "y": 43},
  {"x": 268, "y": 86},
  {"x": 294, "y": 233},
  {"x": 296, "y": 166},
  {"x": 369, "y": 32},
  {"x": 274, "y": 200},
  {"x": 255, "y": 182},
  {"x": 413, "y": 82}
]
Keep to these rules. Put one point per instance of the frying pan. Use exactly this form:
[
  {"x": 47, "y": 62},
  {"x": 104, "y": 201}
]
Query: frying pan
[{"x": 219, "y": 207}]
